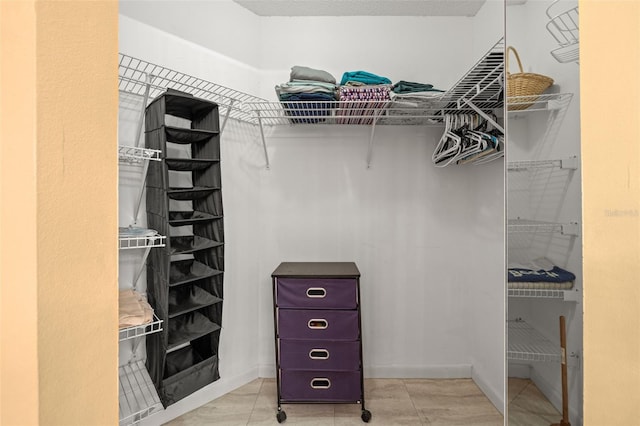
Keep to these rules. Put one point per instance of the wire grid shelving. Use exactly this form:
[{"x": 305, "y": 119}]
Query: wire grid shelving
[
  {"x": 136, "y": 155},
  {"x": 483, "y": 86},
  {"x": 543, "y": 102},
  {"x": 565, "y": 295},
  {"x": 142, "y": 242},
  {"x": 135, "y": 76},
  {"x": 563, "y": 27},
  {"x": 525, "y": 343},
  {"x": 140, "y": 330},
  {"x": 138, "y": 398},
  {"x": 527, "y": 165},
  {"x": 529, "y": 226},
  {"x": 478, "y": 91}
]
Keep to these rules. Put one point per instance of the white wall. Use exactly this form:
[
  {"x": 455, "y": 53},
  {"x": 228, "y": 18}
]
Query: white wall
[
  {"x": 526, "y": 31},
  {"x": 428, "y": 241}
]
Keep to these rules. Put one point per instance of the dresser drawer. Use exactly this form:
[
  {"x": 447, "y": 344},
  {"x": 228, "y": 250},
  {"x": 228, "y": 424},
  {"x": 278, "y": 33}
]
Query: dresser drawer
[
  {"x": 317, "y": 293},
  {"x": 317, "y": 324},
  {"x": 325, "y": 386},
  {"x": 325, "y": 355}
]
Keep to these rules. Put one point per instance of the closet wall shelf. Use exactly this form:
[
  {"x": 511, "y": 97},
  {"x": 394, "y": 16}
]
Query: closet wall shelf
[
  {"x": 138, "y": 398},
  {"x": 570, "y": 163},
  {"x": 142, "y": 242},
  {"x": 140, "y": 330},
  {"x": 136, "y": 155},
  {"x": 544, "y": 102},
  {"x": 528, "y": 344},
  {"x": 534, "y": 226},
  {"x": 135, "y": 74},
  {"x": 480, "y": 91},
  {"x": 564, "y": 295}
]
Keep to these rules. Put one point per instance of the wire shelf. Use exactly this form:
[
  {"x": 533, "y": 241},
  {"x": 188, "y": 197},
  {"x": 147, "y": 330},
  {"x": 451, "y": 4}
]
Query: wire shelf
[
  {"x": 140, "y": 330},
  {"x": 535, "y": 226},
  {"x": 480, "y": 89},
  {"x": 527, "y": 344},
  {"x": 483, "y": 84},
  {"x": 537, "y": 293},
  {"x": 138, "y": 398},
  {"x": 132, "y": 78},
  {"x": 527, "y": 226},
  {"x": 564, "y": 28},
  {"x": 142, "y": 242},
  {"x": 136, "y": 155},
  {"x": 570, "y": 163},
  {"x": 544, "y": 102}
]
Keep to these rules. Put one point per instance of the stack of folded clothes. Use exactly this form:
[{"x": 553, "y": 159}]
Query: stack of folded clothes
[
  {"x": 309, "y": 92},
  {"x": 361, "y": 95},
  {"x": 134, "y": 310},
  {"x": 412, "y": 102}
]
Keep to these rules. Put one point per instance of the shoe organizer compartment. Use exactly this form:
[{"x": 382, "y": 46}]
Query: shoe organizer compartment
[
  {"x": 189, "y": 298},
  {"x": 191, "y": 243},
  {"x": 188, "y": 165},
  {"x": 190, "y": 217},
  {"x": 188, "y": 270},
  {"x": 183, "y": 136},
  {"x": 188, "y": 327},
  {"x": 189, "y": 193}
]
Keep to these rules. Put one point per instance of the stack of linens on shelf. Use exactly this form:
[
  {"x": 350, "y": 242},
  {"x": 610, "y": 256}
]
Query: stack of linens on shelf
[
  {"x": 134, "y": 310},
  {"x": 412, "y": 102},
  {"x": 539, "y": 274},
  {"x": 362, "y": 95},
  {"x": 309, "y": 92}
]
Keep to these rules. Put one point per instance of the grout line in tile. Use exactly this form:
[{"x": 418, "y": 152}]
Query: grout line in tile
[
  {"x": 255, "y": 400},
  {"x": 404, "y": 383}
]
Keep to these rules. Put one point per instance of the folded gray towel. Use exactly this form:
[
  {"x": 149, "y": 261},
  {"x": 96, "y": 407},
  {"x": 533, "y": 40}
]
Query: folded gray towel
[{"x": 305, "y": 73}]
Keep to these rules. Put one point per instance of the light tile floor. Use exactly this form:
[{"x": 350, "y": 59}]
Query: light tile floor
[
  {"x": 528, "y": 406},
  {"x": 391, "y": 402}
]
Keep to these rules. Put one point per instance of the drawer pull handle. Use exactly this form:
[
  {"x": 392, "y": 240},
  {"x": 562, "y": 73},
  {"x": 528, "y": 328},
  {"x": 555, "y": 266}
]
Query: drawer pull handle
[
  {"x": 319, "y": 354},
  {"x": 320, "y": 383},
  {"x": 318, "y": 324},
  {"x": 316, "y": 292}
]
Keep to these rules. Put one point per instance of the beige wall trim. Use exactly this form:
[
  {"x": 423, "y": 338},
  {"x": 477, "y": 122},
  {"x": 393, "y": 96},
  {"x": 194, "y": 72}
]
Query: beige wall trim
[
  {"x": 610, "y": 116},
  {"x": 59, "y": 236}
]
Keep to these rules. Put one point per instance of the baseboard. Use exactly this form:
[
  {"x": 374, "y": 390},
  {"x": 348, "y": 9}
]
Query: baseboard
[
  {"x": 496, "y": 396},
  {"x": 201, "y": 397},
  {"x": 458, "y": 371}
]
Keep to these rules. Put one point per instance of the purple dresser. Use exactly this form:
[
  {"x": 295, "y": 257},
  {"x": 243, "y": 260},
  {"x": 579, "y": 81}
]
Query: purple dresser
[{"x": 318, "y": 334}]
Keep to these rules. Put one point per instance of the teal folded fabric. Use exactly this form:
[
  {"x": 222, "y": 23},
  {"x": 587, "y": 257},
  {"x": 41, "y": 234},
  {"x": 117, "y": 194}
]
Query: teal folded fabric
[
  {"x": 363, "y": 77},
  {"x": 410, "y": 87}
]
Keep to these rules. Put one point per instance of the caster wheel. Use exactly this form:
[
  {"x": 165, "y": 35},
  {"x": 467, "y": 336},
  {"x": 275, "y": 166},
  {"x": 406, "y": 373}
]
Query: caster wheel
[
  {"x": 366, "y": 416},
  {"x": 281, "y": 416}
]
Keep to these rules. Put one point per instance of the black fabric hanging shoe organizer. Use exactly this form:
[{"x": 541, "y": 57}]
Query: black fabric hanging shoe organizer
[{"x": 185, "y": 278}]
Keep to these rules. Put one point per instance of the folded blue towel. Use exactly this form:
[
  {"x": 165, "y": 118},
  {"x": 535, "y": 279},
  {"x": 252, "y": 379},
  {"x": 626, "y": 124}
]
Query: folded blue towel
[
  {"x": 555, "y": 275},
  {"x": 363, "y": 77}
]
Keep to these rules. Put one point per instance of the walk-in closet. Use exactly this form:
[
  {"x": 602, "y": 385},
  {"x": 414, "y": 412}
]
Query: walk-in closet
[{"x": 418, "y": 169}]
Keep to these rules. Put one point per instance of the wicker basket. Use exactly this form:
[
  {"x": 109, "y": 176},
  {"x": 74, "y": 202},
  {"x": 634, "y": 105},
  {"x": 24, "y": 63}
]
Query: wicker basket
[{"x": 524, "y": 84}]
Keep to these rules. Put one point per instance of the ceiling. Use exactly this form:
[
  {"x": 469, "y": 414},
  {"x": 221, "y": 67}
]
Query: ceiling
[{"x": 362, "y": 7}]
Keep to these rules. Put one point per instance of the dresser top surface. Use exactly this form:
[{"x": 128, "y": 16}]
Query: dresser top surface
[{"x": 316, "y": 269}]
